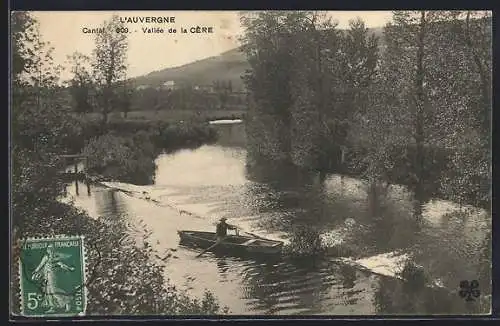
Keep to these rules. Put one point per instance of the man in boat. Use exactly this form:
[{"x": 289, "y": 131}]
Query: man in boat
[{"x": 222, "y": 228}]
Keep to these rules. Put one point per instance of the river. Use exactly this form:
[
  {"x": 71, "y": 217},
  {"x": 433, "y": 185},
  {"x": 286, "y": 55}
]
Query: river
[{"x": 195, "y": 187}]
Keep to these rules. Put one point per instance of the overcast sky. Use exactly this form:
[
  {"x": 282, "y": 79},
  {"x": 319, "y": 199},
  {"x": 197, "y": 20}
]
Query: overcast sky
[{"x": 150, "y": 52}]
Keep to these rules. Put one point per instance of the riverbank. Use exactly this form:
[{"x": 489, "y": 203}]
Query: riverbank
[{"x": 124, "y": 278}]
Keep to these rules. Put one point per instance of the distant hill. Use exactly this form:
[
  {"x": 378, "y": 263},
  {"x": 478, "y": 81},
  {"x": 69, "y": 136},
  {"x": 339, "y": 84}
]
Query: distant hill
[{"x": 229, "y": 65}]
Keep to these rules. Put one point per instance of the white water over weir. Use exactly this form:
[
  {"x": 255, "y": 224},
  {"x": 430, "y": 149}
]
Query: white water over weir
[{"x": 225, "y": 122}]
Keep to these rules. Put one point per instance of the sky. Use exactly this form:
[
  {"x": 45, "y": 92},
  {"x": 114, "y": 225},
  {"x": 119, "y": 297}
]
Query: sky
[{"x": 151, "y": 52}]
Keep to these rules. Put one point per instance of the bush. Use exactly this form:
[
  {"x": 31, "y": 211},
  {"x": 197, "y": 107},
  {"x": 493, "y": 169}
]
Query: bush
[
  {"x": 174, "y": 136},
  {"x": 127, "y": 152},
  {"x": 118, "y": 158},
  {"x": 305, "y": 241},
  {"x": 413, "y": 275}
]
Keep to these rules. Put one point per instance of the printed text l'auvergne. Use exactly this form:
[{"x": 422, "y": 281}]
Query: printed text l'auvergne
[{"x": 147, "y": 19}]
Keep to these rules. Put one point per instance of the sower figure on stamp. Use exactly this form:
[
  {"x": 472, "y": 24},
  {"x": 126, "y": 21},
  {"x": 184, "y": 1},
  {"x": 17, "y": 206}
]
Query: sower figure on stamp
[{"x": 54, "y": 298}]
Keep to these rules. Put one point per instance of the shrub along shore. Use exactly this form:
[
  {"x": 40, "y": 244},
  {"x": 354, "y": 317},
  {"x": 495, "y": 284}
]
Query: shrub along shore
[{"x": 126, "y": 152}]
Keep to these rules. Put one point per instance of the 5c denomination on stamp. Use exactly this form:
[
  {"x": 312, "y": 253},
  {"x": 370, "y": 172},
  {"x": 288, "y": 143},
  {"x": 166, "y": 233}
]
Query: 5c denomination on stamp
[{"x": 52, "y": 276}]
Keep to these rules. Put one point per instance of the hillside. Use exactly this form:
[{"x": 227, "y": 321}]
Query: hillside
[{"x": 229, "y": 65}]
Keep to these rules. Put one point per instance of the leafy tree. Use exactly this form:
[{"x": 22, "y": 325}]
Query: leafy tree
[
  {"x": 81, "y": 85},
  {"x": 429, "y": 108},
  {"x": 475, "y": 32},
  {"x": 314, "y": 36},
  {"x": 23, "y": 28},
  {"x": 40, "y": 126},
  {"x": 124, "y": 96},
  {"x": 322, "y": 76},
  {"x": 351, "y": 68},
  {"x": 109, "y": 63},
  {"x": 268, "y": 48},
  {"x": 468, "y": 175},
  {"x": 401, "y": 93},
  {"x": 223, "y": 90},
  {"x": 355, "y": 71},
  {"x": 413, "y": 27}
]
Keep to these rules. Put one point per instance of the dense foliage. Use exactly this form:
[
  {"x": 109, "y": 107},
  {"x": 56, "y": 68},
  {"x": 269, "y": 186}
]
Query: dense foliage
[{"x": 411, "y": 107}]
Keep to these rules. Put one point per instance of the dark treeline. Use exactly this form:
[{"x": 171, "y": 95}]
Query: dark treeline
[
  {"x": 411, "y": 107},
  {"x": 186, "y": 97},
  {"x": 125, "y": 279},
  {"x": 82, "y": 98},
  {"x": 97, "y": 87}
]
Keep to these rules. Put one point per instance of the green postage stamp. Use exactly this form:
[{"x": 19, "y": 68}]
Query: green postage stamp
[{"x": 52, "y": 276}]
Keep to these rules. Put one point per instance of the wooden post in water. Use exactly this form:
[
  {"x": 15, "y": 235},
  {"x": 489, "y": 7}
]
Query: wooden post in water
[
  {"x": 65, "y": 191},
  {"x": 87, "y": 181},
  {"x": 76, "y": 178},
  {"x": 342, "y": 158}
]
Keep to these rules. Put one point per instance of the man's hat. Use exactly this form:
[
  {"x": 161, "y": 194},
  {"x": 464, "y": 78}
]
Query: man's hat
[{"x": 223, "y": 219}]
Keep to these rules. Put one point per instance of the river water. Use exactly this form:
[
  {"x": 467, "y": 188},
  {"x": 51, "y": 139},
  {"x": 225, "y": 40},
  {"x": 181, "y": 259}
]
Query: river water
[{"x": 195, "y": 187}]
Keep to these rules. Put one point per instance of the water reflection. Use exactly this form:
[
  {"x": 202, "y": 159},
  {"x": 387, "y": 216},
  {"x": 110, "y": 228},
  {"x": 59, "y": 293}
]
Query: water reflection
[
  {"x": 223, "y": 268},
  {"x": 348, "y": 274},
  {"x": 283, "y": 202},
  {"x": 231, "y": 135},
  {"x": 394, "y": 297},
  {"x": 285, "y": 286}
]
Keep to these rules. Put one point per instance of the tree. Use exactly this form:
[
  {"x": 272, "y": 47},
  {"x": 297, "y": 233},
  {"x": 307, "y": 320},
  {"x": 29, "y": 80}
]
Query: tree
[
  {"x": 419, "y": 118},
  {"x": 268, "y": 45},
  {"x": 34, "y": 71},
  {"x": 313, "y": 37},
  {"x": 109, "y": 63},
  {"x": 465, "y": 129},
  {"x": 406, "y": 47},
  {"x": 221, "y": 88},
  {"x": 351, "y": 67},
  {"x": 81, "y": 85},
  {"x": 37, "y": 110},
  {"x": 40, "y": 127},
  {"x": 23, "y": 28},
  {"x": 124, "y": 98},
  {"x": 419, "y": 104},
  {"x": 475, "y": 31}
]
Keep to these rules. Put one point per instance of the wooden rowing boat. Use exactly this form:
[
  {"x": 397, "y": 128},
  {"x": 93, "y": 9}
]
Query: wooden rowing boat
[{"x": 232, "y": 243}]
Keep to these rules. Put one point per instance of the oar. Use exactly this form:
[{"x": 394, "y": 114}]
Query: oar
[
  {"x": 204, "y": 251},
  {"x": 254, "y": 235},
  {"x": 249, "y": 233}
]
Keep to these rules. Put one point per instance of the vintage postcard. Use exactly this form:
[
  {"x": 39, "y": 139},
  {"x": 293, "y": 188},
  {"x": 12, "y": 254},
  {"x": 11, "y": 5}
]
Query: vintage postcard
[{"x": 250, "y": 163}]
